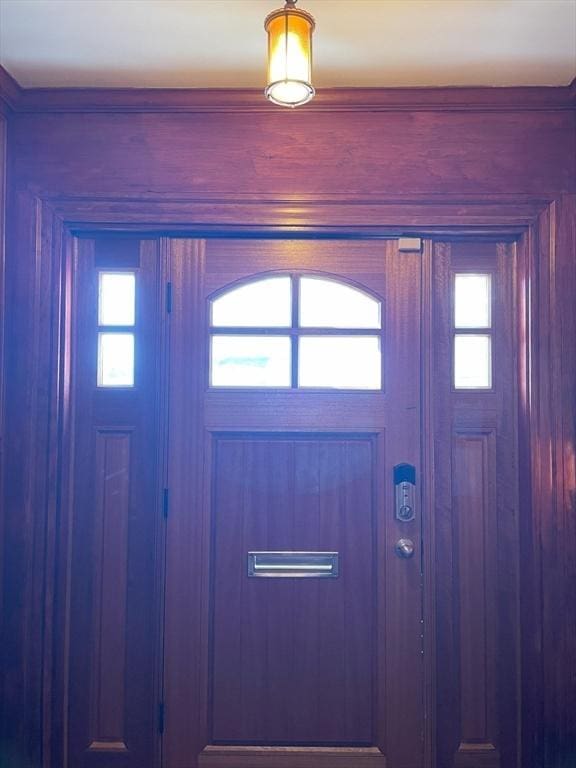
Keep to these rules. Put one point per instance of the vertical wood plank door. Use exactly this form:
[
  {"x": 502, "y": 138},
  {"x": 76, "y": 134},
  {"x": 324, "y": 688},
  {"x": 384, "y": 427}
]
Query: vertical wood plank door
[{"x": 293, "y": 635}]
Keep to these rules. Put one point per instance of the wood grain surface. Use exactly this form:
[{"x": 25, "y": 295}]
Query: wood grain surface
[{"x": 485, "y": 161}]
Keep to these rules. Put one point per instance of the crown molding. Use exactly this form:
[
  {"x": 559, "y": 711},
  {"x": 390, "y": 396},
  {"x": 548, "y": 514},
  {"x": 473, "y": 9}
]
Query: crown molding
[
  {"x": 199, "y": 100},
  {"x": 572, "y": 91},
  {"x": 10, "y": 92}
]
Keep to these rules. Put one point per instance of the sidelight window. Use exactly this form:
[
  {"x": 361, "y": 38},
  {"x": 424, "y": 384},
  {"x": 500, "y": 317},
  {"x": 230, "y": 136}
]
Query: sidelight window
[
  {"x": 472, "y": 331},
  {"x": 116, "y": 322},
  {"x": 292, "y": 331}
]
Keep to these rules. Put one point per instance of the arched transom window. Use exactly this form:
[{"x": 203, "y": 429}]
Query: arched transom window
[{"x": 296, "y": 331}]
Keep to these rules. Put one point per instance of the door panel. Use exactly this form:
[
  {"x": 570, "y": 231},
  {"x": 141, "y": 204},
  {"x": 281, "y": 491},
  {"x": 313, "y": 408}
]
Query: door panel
[
  {"x": 112, "y": 641},
  {"x": 476, "y": 526},
  {"x": 302, "y": 666},
  {"x": 288, "y": 671}
]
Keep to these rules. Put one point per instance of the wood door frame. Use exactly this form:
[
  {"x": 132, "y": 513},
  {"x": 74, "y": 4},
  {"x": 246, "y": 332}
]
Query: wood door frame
[{"x": 48, "y": 225}]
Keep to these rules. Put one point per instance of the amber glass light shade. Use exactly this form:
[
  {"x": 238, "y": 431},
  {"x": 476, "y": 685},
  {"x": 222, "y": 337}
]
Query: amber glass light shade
[{"x": 289, "y": 56}]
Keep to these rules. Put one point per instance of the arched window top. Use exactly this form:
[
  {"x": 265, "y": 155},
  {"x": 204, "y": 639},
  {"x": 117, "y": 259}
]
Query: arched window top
[
  {"x": 262, "y": 303},
  {"x": 267, "y": 302},
  {"x": 329, "y": 303},
  {"x": 295, "y": 331}
]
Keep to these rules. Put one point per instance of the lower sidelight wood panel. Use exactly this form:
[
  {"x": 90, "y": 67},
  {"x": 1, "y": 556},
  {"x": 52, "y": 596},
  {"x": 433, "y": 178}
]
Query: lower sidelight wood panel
[
  {"x": 108, "y": 695},
  {"x": 475, "y": 522}
]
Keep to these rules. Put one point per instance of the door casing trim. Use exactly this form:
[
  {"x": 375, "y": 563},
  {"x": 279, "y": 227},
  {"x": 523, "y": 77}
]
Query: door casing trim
[{"x": 54, "y": 224}]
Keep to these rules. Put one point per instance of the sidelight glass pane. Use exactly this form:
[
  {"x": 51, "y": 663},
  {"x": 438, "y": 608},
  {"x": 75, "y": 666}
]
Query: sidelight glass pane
[
  {"x": 340, "y": 362},
  {"x": 330, "y": 304},
  {"x": 116, "y": 298},
  {"x": 472, "y": 361},
  {"x": 472, "y": 301},
  {"x": 115, "y": 359},
  {"x": 250, "y": 361},
  {"x": 263, "y": 303}
]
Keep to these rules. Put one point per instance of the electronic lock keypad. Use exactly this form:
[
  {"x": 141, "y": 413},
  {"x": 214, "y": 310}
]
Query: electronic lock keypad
[{"x": 405, "y": 492}]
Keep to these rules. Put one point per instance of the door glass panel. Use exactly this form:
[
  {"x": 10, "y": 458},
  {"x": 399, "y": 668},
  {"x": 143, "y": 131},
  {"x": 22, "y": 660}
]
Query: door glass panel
[
  {"x": 116, "y": 293},
  {"x": 472, "y": 301},
  {"x": 330, "y": 304},
  {"x": 472, "y": 361},
  {"x": 250, "y": 361},
  {"x": 340, "y": 362},
  {"x": 260, "y": 304},
  {"x": 115, "y": 359}
]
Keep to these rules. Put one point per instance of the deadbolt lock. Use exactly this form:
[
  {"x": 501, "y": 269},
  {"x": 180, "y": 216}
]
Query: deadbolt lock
[{"x": 405, "y": 484}]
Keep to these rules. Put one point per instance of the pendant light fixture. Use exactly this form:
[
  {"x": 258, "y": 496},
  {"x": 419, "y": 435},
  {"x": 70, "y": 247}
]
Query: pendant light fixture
[{"x": 289, "y": 55}]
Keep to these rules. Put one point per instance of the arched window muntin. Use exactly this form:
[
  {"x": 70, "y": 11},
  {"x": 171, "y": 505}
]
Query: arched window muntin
[{"x": 300, "y": 344}]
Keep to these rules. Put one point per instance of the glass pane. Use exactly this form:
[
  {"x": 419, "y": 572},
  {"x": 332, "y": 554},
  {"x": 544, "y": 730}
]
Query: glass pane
[
  {"x": 340, "y": 362},
  {"x": 262, "y": 304},
  {"x": 116, "y": 298},
  {"x": 472, "y": 301},
  {"x": 115, "y": 359},
  {"x": 472, "y": 362},
  {"x": 330, "y": 304},
  {"x": 290, "y": 49},
  {"x": 250, "y": 361}
]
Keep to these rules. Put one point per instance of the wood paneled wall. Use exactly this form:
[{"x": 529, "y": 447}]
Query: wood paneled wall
[
  {"x": 560, "y": 537},
  {"x": 550, "y": 543},
  {"x": 293, "y": 153},
  {"x": 351, "y": 161}
]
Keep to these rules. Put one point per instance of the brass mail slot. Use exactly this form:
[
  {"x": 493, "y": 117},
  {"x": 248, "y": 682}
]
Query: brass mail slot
[{"x": 273, "y": 565}]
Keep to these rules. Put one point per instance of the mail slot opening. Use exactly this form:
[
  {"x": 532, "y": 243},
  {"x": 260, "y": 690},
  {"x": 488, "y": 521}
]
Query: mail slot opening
[{"x": 292, "y": 564}]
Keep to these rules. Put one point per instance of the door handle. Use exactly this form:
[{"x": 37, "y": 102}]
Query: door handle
[{"x": 404, "y": 548}]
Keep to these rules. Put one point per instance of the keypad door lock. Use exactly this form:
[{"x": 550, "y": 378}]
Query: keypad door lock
[{"x": 405, "y": 493}]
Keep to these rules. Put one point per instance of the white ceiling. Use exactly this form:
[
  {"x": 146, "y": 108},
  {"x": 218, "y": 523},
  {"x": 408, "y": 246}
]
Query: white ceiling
[{"x": 221, "y": 43}]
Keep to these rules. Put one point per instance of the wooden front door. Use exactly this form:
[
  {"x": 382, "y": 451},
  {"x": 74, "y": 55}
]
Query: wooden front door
[
  {"x": 230, "y": 590},
  {"x": 293, "y": 633}
]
